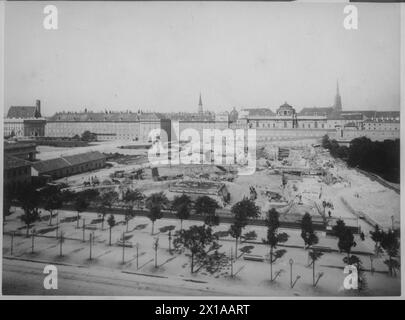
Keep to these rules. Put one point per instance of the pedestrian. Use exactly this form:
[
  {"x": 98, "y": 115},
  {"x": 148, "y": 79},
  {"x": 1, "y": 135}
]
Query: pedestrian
[
  {"x": 329, "y": 213},
  {"x": 362, "y": 236}
]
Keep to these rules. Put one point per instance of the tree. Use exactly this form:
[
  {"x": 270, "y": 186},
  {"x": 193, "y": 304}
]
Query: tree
[
  {"x": 29, "y": 199},
  {"x": 107, "y": 199},
  {"x": 134, "y": 196},
  {"x": 242, "y": 210},
  {"x": 30, "y": 216},
  {"x": 130, "y": 198},
  {"x": 339, "y": 228},
  {"x": 181, "y": 204},
  {"x": 111, "y": 223},
  {"x": 89, "y": 194},
  {"x": 207, "y": 206},
  {"x": 314, "y": 255},
  {"x": 52, "y": 200},
  {"x": 325, "y": 142},
  {"x": 155, "y": 203},
  {"x": 377, "y": 236},
  {"x": 88, "y": 136},
  {"x": 307, "y": 231},
  {"x": 274, "y": 237},
  {"x": 391, "y": 244},
  {"x": 80, "y": 204},
  {"x": 203, "y": 247},
  {"x": 346, "y": 241},
  {"x": 67, "y": 196}
]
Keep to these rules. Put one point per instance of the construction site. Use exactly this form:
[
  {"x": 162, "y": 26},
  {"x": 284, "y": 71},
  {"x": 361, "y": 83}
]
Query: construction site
[{"x": 293, "y": 178}]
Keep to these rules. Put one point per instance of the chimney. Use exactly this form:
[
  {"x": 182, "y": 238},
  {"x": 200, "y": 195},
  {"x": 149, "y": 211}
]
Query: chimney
[{"x": 38, "y": 108}]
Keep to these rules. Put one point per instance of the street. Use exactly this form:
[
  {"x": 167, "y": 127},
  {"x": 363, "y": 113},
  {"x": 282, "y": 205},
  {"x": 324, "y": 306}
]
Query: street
[{"x": 26, "y": 278}]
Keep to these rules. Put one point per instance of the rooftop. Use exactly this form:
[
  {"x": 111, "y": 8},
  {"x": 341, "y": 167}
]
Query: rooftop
[
  {"x": 12, "y": 146},
  {"x": 105, "y": 116},
  {"x": 67, "y": 161},
  {"x": 11, "y": 162},
  {"x": 322, "y": 111},
  {"x": 23, "y": 112}
]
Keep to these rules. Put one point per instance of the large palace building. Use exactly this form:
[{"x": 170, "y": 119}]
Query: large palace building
[
  {"x": 341, "y": 124},
  {"x": 284, "y": 122},
  {"x": 108, "y": 125}
]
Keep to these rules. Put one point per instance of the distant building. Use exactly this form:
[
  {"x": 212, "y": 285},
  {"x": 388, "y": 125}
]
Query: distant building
[
  {"x": 316, "y": 111},
  {"x": 383, "y": 125},
  {"x": 285, "y": 118},
  {"x": 312, "y": 120},
  {"x": 24, "y": 121},
  {"x": 200, "y": 106},
  {"x": 69, "y": 165},
  {"x": 349, "y": 132},
  {"x": 107, "y": 126},
  {"x": 233, "y": 115},
  {"x": 338, "y": 99},
  {"x": 222, "y": 116}
]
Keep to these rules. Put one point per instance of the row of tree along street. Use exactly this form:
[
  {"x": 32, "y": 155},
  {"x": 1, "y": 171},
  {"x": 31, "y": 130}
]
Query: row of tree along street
[
  {"x": 379, "y": 157},
  {"x": 201, "y": 242}
]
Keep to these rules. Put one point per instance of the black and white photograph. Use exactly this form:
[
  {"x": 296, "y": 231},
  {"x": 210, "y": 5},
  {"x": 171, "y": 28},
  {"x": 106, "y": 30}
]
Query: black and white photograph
[{"x": 201, "y": 149}]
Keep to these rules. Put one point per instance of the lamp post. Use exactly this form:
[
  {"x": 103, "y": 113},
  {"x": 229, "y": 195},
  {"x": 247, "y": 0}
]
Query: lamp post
[
  {"x": 91, "y": 242},
  {"x": 57, "y": 225},
  {"x": 32, "y": 240},
  {"x": 291, "y": 262},
  {"x": 60, "y": 243},
  {"x": 12, "y": 243},
  {"x": 137, "y": 255},
  {"x": 123, "y": 247},
  {"x": 156, "y": 246},
  {"x": 84, "y": 227},
  {"x": 231, "y": 260},
  {"x": 170, "y": 242}
]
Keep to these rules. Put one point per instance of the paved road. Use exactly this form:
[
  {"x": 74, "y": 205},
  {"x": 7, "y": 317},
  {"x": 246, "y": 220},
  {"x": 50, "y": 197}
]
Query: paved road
[{"x": 26, "y": 278}]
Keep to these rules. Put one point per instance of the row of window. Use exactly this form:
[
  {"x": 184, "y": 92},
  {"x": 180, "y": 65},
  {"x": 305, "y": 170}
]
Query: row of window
[{"x": 285, "y": 125}]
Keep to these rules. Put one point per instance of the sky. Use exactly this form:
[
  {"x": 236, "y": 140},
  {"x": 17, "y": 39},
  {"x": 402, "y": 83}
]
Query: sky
[{"x": 161, "y": 56}]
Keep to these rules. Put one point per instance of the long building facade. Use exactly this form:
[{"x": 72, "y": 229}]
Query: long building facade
[
  {"x": 283, "y": 123},
  {"x": 107, "y": 126}
]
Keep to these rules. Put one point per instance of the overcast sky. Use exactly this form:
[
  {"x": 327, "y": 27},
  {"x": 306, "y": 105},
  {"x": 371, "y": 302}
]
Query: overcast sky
[{"x": 160, "y": 56}]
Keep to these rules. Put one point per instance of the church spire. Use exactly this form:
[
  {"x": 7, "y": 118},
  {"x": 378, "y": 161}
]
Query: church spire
[
  {"x": 200, "y": 105},
  {"x": 338, "y": 98}
]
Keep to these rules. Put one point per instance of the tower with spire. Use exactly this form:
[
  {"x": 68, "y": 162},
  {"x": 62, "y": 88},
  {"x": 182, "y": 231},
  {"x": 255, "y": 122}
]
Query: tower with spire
[
  {"x": 338, "y": 99},
  {"x": 200, "y": 105}
]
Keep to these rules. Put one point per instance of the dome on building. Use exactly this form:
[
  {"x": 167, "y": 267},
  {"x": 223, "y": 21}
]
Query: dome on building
[
  {"x": 233, "y": 115},
  {"x": 285, "y": 110}
]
